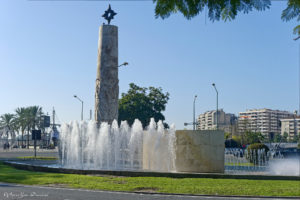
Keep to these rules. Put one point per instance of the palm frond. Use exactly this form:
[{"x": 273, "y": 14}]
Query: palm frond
[
  {"x": 292, "y": 11},
  {"x": 297, "y": 30}
]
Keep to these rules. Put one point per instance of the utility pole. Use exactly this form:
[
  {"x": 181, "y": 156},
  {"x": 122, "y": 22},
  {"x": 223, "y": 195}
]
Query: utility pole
[
  {"x": 194, "y": 122},
  {"x": 53, "y": 117},
  {"x": 217, "y": 118}
]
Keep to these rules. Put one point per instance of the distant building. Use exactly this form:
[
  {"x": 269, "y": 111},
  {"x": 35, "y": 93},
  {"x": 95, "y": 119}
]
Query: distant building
[
  {"x": 290, "y": 126},
  {"x": 208, "y": 121},
  {"x": 265, "y": 121}
]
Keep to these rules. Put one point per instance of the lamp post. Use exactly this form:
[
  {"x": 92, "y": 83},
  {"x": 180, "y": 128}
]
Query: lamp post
[
  {"x": 190, "y": 123},
  {"x": 194, "y": 123},
  {"x": 75, "y": 96},
  {"x": 217, "y": 118}
]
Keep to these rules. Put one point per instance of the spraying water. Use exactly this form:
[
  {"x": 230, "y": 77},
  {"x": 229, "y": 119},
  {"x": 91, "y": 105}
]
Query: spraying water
[
  {"x": 239, "y": 161},
  {"x": 288, "y": 167},
  {"x": 110, "y": 147}
]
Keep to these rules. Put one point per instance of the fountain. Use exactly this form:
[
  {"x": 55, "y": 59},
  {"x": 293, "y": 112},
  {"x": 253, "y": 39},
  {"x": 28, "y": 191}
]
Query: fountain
[{"x": 111, "y": 147}]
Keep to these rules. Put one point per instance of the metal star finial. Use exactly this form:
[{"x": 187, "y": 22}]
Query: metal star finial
[{"x": 109, "y": 14}]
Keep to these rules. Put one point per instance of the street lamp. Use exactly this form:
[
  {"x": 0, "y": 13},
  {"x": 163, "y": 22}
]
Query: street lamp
[
  {"x": 75, "y": 96},
  {"x": 123, "y": 64},
  {"x": 214, "y": 85},
  {"x": 194, "y": 123},
  {"x": 190, "y": 123}
]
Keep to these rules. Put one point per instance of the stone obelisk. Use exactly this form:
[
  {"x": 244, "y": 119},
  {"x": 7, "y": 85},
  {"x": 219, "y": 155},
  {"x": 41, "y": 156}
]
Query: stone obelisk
[{"x": 107, "y": 82}]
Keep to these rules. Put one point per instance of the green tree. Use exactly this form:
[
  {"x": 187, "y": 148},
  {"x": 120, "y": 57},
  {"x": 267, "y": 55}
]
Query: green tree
[
  {"x": 227, "y": 136},
  {"x": 7, "y": 121},
  {"x": 285, "y": 137},
  {"x": 278, "y": 138},
  {"x": 142, "y": 103},
  {"x": 33, "y": 116},
  {"x": 253, "y": 153},
  {"x": 297, "y": 32},
  {"x": 223, "y": 9},
  {"x": 295, "y": 138},
  {"x": 250, "y": 137},
  {"x": 238, "y": 139},
  {"x": 28, "y": 118},
  {"x": 21, "y": 121}
]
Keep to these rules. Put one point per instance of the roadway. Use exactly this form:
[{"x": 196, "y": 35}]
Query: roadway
[
  {"x": 13, "y": 191},
  {"x": 14, "y": 153}
]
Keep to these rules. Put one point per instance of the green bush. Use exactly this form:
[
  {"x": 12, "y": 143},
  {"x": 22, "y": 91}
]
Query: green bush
[
  {"x": 238, "y": 139},
  {"x": 231, "y": 143},
  {"x": 252, "y": 137},
  {"x": 253, "y": 153},
  {"x": 258, "y": 146}
]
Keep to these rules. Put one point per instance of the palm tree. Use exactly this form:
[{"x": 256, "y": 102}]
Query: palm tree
[
  {"x": 297, "y": 31},
  {"x": 21, "y": 122},
  {"x": 28, "y": 118},
  {"x": 7, "y": 121},
  {"x": 34, "y": 114}
]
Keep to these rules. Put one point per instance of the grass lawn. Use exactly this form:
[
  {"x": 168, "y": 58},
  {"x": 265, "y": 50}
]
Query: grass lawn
[
  {"x": 206, "y": 186},
  {"x": 239, "y": 164},
  {"x": 37, "y": 158}
]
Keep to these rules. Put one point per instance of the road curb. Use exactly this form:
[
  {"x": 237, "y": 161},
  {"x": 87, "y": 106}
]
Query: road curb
[{"x": 155, "y": 193}]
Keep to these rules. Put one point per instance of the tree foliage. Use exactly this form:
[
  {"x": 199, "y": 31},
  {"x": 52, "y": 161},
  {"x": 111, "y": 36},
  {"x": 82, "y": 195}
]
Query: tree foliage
[
  {"x": 238, "y": 139},
  {"x": 250, "y": 137},
  {"x": 257, "y": 146},
  {"x": 295, "y": 139},
  {"x": 223, "y": 9},
  {"x": 253, "y": 151},
  {"x": 281, "y": 138},
  {"x": 25, "y": 118},
  {"x": 7, "y": 122},
  {"x": 232, "y": 143},
  {"x": 292, "y": 11},
  {"x": 142, "y": 103}
]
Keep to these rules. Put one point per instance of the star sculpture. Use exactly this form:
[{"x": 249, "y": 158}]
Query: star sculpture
[{"x": 109, "y": 14}]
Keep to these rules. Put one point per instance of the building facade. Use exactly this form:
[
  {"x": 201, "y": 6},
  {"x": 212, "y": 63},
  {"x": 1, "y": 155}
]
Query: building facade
[
  {"x": 290, "y": 127},
  {"x": 226, "y": 121},
  {"x": 265, "y": 121}
]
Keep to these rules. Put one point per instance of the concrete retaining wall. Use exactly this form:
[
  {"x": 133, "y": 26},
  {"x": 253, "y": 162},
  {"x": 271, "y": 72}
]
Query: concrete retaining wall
[{"x": 200, "y": 151}]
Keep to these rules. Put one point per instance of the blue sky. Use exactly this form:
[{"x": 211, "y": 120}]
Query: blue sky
[{"x": 48, "y": 53}]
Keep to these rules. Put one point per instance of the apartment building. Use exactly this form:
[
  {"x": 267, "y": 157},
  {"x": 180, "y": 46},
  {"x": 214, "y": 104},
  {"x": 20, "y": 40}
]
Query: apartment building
[
  {"x": 208, "y": 121},
  {"x": 265, "y": 121},
  {"x": 291, "y": 127}
]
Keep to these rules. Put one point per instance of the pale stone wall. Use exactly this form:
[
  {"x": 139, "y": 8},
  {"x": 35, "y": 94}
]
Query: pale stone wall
[
  {"x": 200, "y": 151},
  {"x": 107, "y": 82}
]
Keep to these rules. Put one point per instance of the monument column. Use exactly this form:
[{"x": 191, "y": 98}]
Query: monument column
[{"x": 107, "y": 82}]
